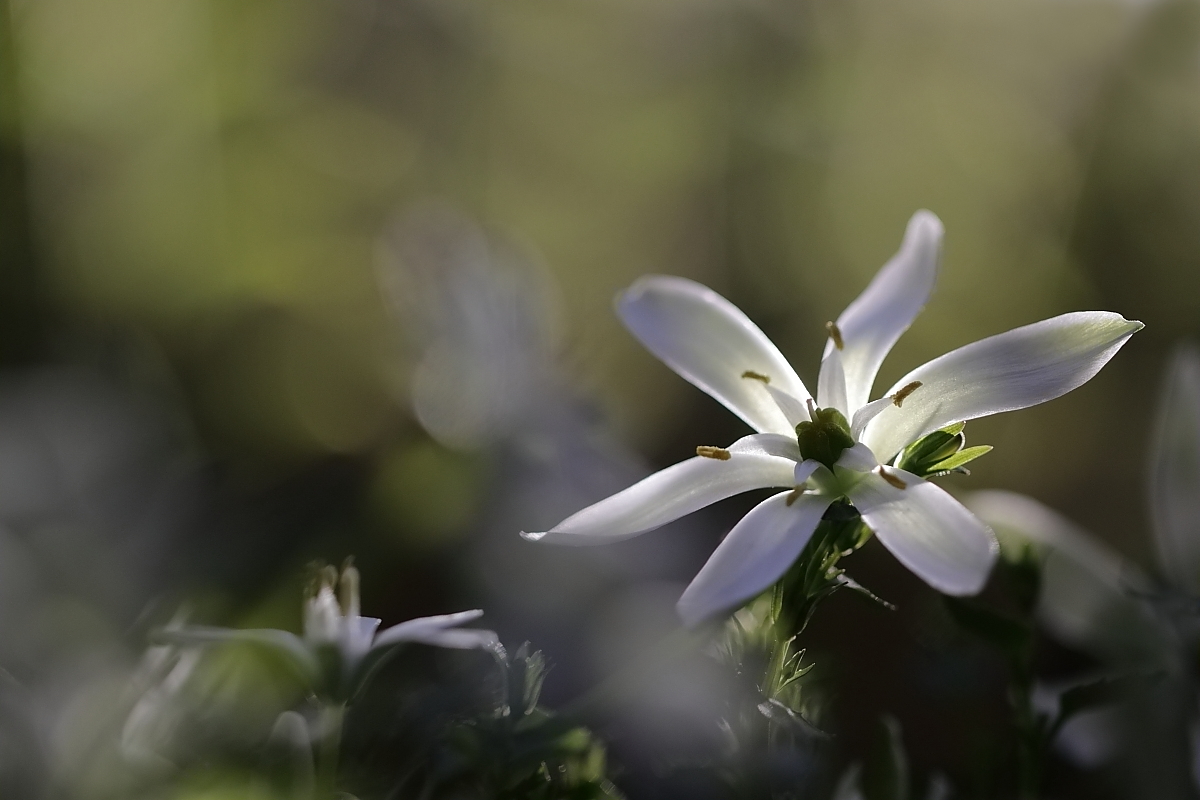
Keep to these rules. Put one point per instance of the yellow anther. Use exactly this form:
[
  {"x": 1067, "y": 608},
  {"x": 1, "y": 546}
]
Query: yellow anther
[
  {"x": 835, "y": 334},
  {"x": 719, "y": 453},
  {"x": 794, "y": 495},
  {"x": 758, "y": 376},
  {"x": 892, "y": 479},
  {"x": 899, "y": 397}
]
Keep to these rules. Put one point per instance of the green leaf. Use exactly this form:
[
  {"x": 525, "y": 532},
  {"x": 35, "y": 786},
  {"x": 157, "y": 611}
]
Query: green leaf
[
  {"x": 1010, "y": 635},
  {"x": 885, "y": 773},
  {"x": 962, "y": 457}
]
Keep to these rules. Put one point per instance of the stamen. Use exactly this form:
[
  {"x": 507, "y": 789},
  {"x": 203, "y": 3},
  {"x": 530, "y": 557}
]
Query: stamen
[
  {"x": 793, "y": 496},
  {"x": 835, "y": 334},
  {"x": 718, "y": 453},
  {"x": 758, "y": 376},
  {"x": 348, "y": 589},
  {"x": 892, "y": 479},
  {"x": 812, "y": 410},
  {"x": 899, "y": 397}
]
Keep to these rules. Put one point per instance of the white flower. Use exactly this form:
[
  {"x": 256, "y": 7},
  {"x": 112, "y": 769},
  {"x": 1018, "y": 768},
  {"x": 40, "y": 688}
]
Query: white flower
[
  {"x": 332, "y": 624},
  {"x": 834, "y": 448}
]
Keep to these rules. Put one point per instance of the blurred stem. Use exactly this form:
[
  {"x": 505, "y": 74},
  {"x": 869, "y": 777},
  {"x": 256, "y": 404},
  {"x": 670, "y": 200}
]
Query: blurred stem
[
  {"x": 1031, "y": 744},
  {"x": 332, "y": 717}
]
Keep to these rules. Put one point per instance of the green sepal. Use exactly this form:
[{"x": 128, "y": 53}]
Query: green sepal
[
  {"x": 932, "y": 447},
  {"x": 961, "y": 458},
  {"x": 939, "y": 453}
]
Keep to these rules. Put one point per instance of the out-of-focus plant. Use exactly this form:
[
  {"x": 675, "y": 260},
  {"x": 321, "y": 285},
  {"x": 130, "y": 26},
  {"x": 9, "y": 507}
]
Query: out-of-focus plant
[
  {"x": 1096, "y": 600},
  {"x": 494, "y": 741}
]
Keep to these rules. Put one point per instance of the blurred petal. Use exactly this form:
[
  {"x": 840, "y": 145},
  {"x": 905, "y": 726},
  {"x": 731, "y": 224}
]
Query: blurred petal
[
  {"x": 678, "y": 490},
  {"x": 291, "y": 735},
  {"x": 1086, "y": 588},
  {"x": 831, "y": 382},
  {"x": 1017, "y": 369},
  {"x": 286, "y": 644},
  {"x": 1175, "y": 472},
  {"x": 357, "y": 634},
  {"x": 710, "y": 342},
  {"x": 875, "y": 320},
  {"x": 927, "y": 531},
  {"x": 755, "y": 554},
  {"x": 440, "y": 631}
]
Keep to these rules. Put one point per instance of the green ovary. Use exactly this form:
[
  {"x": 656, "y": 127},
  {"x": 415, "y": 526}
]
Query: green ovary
[{"x": 825, "y": 437}]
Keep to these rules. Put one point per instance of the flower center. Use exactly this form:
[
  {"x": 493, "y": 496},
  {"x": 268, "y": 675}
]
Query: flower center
[{"x": 825, "y": 437}]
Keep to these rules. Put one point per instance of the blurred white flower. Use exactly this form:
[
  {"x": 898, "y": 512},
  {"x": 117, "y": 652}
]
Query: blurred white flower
[
  {"x": 332, "y": 625},
  {"x": 1175, "y": 473},
  {"x": 1089, "y": 594},
  {"x": 481, "y": 316},
  {"x": 1092, "y": 597},
  {"x": 838, "y": 446}
]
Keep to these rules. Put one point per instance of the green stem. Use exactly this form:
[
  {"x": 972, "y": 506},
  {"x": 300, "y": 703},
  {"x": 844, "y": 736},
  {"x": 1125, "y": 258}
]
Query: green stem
[{"x": 332, "y": 717}]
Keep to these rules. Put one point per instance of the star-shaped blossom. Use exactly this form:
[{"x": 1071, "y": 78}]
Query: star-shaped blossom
[
  {"x": 338, "y": 648},
  {"x": 839, "y": 445}
]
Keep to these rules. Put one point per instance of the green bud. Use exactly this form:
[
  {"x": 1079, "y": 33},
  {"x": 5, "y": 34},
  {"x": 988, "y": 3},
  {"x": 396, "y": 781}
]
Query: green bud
[
  {"x": 825, "y": 437},
  {"x": 940, "y": 452}
]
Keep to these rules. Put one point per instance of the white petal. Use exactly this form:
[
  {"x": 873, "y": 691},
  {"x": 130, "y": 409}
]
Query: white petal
[
  {"x": 877, "y": 317},
  {"x": 858, "y": 458},
  {"x": 768, "y": 444},
  {"x": 357, "y": 635},
  {"x": 1086, "y": 588},
  {"x": 710, "y": 342},
  {"x": 755, "y": 554},
  {"x": 831, "y": 382},
  {"x": 927, "y": 531},
  {"x": 440, "y": 631},
  {"x": 804, "y": 471},
  {"x": 1017, "y": 369},
  {"x": 1175, "y": 472},
  {"x": 289, "y": 645},
  {"x": 793, "y": 408},
  {"x": 867, "y": 413},
  {"x": 755, "y": 462}
]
